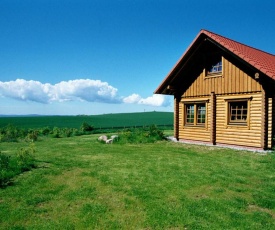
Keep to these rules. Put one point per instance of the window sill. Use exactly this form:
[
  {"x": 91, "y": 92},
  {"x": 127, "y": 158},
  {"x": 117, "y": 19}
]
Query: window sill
[
  {"x": 194, "y": 126},
  {"x": 211, "y": 75},
  {"x": 238, "y": 123},
  {"x": 237, "y": 126}
]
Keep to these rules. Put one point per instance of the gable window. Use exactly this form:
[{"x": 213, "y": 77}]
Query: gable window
[
  {"x": 238, "y": 111},
  {"x": 195, "y": 114},
  {"x": 214, "y": 66}
]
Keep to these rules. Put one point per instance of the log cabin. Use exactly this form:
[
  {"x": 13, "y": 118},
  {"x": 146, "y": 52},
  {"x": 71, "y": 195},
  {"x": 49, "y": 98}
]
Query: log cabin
[{"x": 224, "y": 93}]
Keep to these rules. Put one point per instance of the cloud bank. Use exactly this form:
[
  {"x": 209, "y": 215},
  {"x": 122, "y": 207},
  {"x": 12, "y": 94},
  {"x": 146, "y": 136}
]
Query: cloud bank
[
  {"x": 73, "y": 90},
  {"x": 155, "y": 100}
]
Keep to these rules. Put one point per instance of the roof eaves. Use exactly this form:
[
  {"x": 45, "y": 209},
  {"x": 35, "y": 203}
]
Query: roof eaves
[{"x": 160, "y": 88}]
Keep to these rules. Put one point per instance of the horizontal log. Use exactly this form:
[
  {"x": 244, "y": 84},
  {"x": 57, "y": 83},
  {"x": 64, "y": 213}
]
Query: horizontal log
[
  {"x": 239, "y": 137},
  {"x": 235, "y": 142},
  {"x": 248, "y": 144},
  {"x": 194, "y": 139},
  {"x": 194, "y": 133}
]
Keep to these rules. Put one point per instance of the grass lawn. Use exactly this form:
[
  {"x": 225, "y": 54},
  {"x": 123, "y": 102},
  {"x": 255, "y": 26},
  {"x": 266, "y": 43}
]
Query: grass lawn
[{"x": 83, "y": 184}]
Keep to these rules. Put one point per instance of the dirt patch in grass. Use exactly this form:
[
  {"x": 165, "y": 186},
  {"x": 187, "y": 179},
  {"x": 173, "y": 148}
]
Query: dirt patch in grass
[{"x": 255, "y": 208}]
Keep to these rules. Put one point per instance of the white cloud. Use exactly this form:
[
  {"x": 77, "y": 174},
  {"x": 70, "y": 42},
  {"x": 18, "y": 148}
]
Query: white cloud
[
  {"x": 73, "y": 90},
  {"x": 86, "y": 90},
  {"x": 155, "y": 100},
  {"x": 26, "y": 90},
  {"x": 80, "y": 89},
  {"x": 132, "y": 99}
]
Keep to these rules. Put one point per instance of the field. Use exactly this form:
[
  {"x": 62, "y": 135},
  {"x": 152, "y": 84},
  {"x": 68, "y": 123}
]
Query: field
[
  {"x": 80, "y": 183},
  {"x": 98, "y": 121}
]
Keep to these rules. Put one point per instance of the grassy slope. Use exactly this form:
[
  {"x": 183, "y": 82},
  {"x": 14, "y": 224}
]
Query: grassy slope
[
  {"x": 105, "y": 120},
  {"x": 83, "y": 184}
]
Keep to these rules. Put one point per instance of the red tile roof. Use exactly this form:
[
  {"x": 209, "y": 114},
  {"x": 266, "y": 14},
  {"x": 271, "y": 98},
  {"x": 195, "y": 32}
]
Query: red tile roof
[{"x": 261, "y": 60}]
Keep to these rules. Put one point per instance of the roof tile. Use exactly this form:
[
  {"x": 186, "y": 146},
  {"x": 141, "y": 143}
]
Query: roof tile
[{"x": 261, "y": 60}]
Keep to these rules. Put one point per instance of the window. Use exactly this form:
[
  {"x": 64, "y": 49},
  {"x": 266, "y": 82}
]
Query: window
[
  {"x": 214, "y": 65},
  {"x": 195, "y": 114},
  {"x": 216, "y": 68},
  {"x": 238, "y": 111}
]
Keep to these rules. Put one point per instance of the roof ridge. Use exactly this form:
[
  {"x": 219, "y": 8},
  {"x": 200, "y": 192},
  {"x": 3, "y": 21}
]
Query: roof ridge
[
  {"x": 257, "y": 59},
  {"x": 207, "y": 32}
]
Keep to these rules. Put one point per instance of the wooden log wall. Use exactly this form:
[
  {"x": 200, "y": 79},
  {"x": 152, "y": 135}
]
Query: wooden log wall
[
  {"x": 213, "y": 116},
  {"x": 250, "y": 135},
  {"x": 232, "y": 80},
  {"x": 264, "y": 117},
  {"x": 271, "y": 119},
  {"x": 195, "y": 132},
  {"x": 176, "y": 117}
]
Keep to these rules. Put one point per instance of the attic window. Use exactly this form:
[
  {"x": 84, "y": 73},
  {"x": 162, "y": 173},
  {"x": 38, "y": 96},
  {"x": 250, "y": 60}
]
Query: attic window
[{"x": 214, "y": 67}]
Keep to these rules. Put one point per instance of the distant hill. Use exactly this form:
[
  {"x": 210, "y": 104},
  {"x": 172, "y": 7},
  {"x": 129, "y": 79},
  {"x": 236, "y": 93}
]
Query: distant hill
[
  {"x": 98, "y": 121},
  {"x": 25, "y": 115}
]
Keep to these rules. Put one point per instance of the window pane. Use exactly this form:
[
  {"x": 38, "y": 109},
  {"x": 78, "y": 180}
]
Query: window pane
[
  {"x": 201, "y": 113},
  {"x": 217, "y": 67},
  {"x": 190, "y": 114},
  {"x": 238, "y": 111}
]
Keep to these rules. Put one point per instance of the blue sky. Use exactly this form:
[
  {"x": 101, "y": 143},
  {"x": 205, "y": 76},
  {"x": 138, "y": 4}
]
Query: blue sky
[{"x": 70, "y": 57}]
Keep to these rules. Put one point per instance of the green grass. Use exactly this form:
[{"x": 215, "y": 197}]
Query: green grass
[
  {"x": 98, "y": 121},
  {"x": 80, "y": 183}
]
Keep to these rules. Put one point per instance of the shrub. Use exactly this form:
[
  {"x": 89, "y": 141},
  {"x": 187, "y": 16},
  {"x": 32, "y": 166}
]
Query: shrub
[
  {"x": 12, "y": 166},
  {"x": 141, "y": 135},
  {"x": 56, "y": 132},
  {"x": 25, "y": 158},
  {"x": 66, "y": 132},
  {"x": 5, "y": 172},
  {"x": 32, "y": 136},
  {"x": 5, "y": 177},
  {"x": 45, "y": 131},
  {"x": 4, "y": 161},
  {"x": 85, "y": 127},
  {"x": 10, "y": 133}
]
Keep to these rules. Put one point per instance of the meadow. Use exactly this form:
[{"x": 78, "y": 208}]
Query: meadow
[
  {"x": 80, "y": 183},
  {"x": 119, "y": 120}
]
